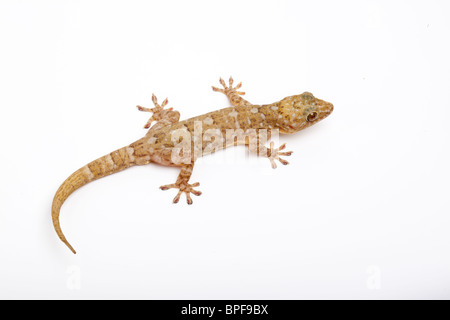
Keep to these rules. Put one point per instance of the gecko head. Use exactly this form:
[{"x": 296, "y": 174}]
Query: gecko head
[{"x": 301, "y": 111}]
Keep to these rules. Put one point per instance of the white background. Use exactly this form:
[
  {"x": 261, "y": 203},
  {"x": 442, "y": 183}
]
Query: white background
[{"x": 361, "y": 212}]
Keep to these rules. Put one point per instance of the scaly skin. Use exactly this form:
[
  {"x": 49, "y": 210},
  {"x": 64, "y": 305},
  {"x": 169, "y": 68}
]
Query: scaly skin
[{"x": 171, "y": 142}]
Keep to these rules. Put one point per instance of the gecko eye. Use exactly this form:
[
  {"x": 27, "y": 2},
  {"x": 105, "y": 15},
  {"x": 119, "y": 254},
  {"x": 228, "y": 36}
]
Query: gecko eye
[{"x": 312, "y": 116}]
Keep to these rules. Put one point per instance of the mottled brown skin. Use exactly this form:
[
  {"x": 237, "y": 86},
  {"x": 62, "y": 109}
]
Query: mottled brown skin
[{"x": 159, "y": 145}]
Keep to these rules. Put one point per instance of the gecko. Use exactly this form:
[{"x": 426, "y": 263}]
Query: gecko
[{"x": 171, "y": 142}]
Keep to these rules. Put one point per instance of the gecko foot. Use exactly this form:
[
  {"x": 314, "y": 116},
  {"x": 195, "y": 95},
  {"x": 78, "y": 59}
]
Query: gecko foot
[
  {"x": 184, "y": 187},
  {"x": 158, "y": 111},
  {"x": 227, "y": 90},
  {"x": 274, "y": 154}
]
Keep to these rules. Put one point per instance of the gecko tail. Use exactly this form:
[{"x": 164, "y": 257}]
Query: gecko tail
[{"x": 111, "y": 163}]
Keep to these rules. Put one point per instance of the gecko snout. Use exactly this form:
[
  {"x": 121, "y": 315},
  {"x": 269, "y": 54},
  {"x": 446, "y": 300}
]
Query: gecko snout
[{"x": 325, "y": 108}]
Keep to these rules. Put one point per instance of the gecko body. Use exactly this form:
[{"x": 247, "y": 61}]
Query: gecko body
[{"x": 171, "y": 142}]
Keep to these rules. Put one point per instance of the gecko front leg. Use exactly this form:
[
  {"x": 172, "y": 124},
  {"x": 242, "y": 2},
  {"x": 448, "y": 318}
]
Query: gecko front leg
[
  {"x": 233, "y": 95},
  {"x": 162, "y": 116},
  {"x": 183, "y": 185},
  {"x": 274, "y": 154},
  {"x": 271, "y": 153}
]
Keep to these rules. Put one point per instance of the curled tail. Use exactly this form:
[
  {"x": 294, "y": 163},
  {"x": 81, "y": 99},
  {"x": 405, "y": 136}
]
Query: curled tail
[{"x": 111, "y": 163}]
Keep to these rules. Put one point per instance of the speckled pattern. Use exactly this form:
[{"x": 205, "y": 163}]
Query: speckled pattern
[{"x": 171, "y": 142}]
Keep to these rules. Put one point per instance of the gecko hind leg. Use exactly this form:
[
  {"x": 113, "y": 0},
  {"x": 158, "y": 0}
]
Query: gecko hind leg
[
  {"x": 183, "y": 185},
  {"x": 165, "y": 116},
  {"x": 231, "y": 92}
]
